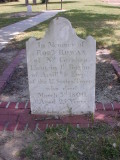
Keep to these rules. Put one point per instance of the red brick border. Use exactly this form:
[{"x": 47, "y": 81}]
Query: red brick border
[
  {"x": 116, "y": 67},
  {"x": 16, "y": 116},
  {"x": 8, "y": 72}
]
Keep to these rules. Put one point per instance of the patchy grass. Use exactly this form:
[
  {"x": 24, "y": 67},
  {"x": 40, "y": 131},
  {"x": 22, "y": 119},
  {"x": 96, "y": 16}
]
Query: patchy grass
[
  {"x": 6, "y": 20},
  {"x": 88, "y": 17},
  {"x": 9, "y": 8},
  {"x": 63, "y": 143},
  {"x": 27, "y": 152}
]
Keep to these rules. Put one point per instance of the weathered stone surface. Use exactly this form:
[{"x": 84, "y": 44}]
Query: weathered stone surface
[
  {"x": 29, "y": 9},
  {"x": 61, "y": 71}
]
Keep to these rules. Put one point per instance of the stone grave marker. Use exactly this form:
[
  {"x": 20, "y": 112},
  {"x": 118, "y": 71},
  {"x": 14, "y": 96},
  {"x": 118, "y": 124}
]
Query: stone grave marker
[
  {"x": 61, "y": 71},
  {"x": 29, "y": 9}
]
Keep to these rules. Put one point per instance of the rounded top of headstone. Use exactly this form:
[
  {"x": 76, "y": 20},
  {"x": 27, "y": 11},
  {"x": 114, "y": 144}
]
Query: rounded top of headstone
[
  {"x": 60, "y": 29},
  {"x": 29, "y": 8}
]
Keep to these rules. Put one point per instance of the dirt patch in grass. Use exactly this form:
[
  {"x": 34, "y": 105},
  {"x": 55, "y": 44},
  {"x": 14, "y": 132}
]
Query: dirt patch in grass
[
  {"x": 23, "y": 14},
  {"x": 10, "y": 18},
  {"x": 98, "y": 143},
  {"x": 12, "y": 142}
]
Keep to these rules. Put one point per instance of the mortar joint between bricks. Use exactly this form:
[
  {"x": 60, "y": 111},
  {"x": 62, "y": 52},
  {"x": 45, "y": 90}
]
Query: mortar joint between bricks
[
  {"x": 103, "y": 106},
  {"x": 6, "y": 125},
  {"x": 46, "y": 126},
  {"x": 26, "y": 127},
  {"x": 17, "y": 118},
  {"x": 16, "y": 106},
  {"x": 26, "y": 104},
  {"x": 36, "y": 127},
  {"x": 15, "y": 129},
  {"x": 7, "y": 105},
  {"x": 112, "y": 106},
  {"x": 78, "y": 126}
]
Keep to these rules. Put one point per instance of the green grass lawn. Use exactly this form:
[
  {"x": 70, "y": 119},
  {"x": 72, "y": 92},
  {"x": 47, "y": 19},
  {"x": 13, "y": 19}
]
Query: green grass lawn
[
  {"x": 88, "y": 17},
  {"x": 7, "y": 9},
  {"x": 67, "y": 143}
]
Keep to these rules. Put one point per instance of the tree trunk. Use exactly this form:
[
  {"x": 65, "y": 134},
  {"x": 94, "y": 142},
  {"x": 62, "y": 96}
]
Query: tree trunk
[
  {"x": 34, "y": 1},
  {"x": 26, "y": 2}
]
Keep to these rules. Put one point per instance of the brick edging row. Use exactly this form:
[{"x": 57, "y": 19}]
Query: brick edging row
[
  {"x": 115, "y": 106},
  {"x": 16, "y": 116},
  {"x": 8, "y": 72},
  {"x": 116, "y": 67}
]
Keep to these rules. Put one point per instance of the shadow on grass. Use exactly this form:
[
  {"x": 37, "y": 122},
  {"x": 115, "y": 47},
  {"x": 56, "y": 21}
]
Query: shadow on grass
[
  {"x": 20, "y": 41},
  {"x": 23, "y": 5},
  {"x": 64, "y": 2},
  {"x": 105, "y": 6},
  {"x": 115, "y": 51},
  {"x": 92, "y": 23},
  {"x": 85, "y": 23},
  {"x": 74, "y": 14},
  {"x": 6, "y": 19}
]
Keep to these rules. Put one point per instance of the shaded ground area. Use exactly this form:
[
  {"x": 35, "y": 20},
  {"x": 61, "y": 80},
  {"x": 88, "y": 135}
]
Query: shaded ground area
[
  {"x": 65, "y": 143},
  {"x": 10, "y": 18},
  {"x": 113, "y": 2},
  {"x": 100, "y": 142},
  {"x": 6, "y": 58},
  {"x": 12, "y": 12},
  {"x": 11, "y": 143},
  {"x": 107, "y": 84},
  {"x": 3, "y": 64},
  {"x": 88, "y": 17},
  {"x": 23, "y": 14}
]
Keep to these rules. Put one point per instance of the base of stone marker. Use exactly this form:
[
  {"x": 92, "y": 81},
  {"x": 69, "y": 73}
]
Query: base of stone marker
[{"x": 15, "y": 116}]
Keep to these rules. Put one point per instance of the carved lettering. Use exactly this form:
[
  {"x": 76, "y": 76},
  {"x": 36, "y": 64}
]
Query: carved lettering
[{"x": 61, "y": 71}]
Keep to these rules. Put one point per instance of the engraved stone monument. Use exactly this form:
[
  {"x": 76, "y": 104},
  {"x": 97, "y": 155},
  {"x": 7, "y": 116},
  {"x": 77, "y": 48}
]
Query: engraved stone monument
[
  {"x": 61, "y": 71},
  {"x": 29, "y": 9}
]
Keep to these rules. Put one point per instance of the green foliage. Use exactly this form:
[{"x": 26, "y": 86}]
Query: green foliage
[
  {"x": 43, "y": 1},
  {"x": 57, "y": 144},
  {"x": 108, "y": 150},
  {"x": 70, "y": 143},
  {"x": 3, "y": 1},
  {"x": 88, "y": 17},
  {"x": 27, "y": 152}
]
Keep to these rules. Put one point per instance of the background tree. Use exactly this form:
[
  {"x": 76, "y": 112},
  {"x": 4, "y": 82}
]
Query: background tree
[
  {"x": 26, "y": 2},
  {"x": 34, "y": 2}
]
